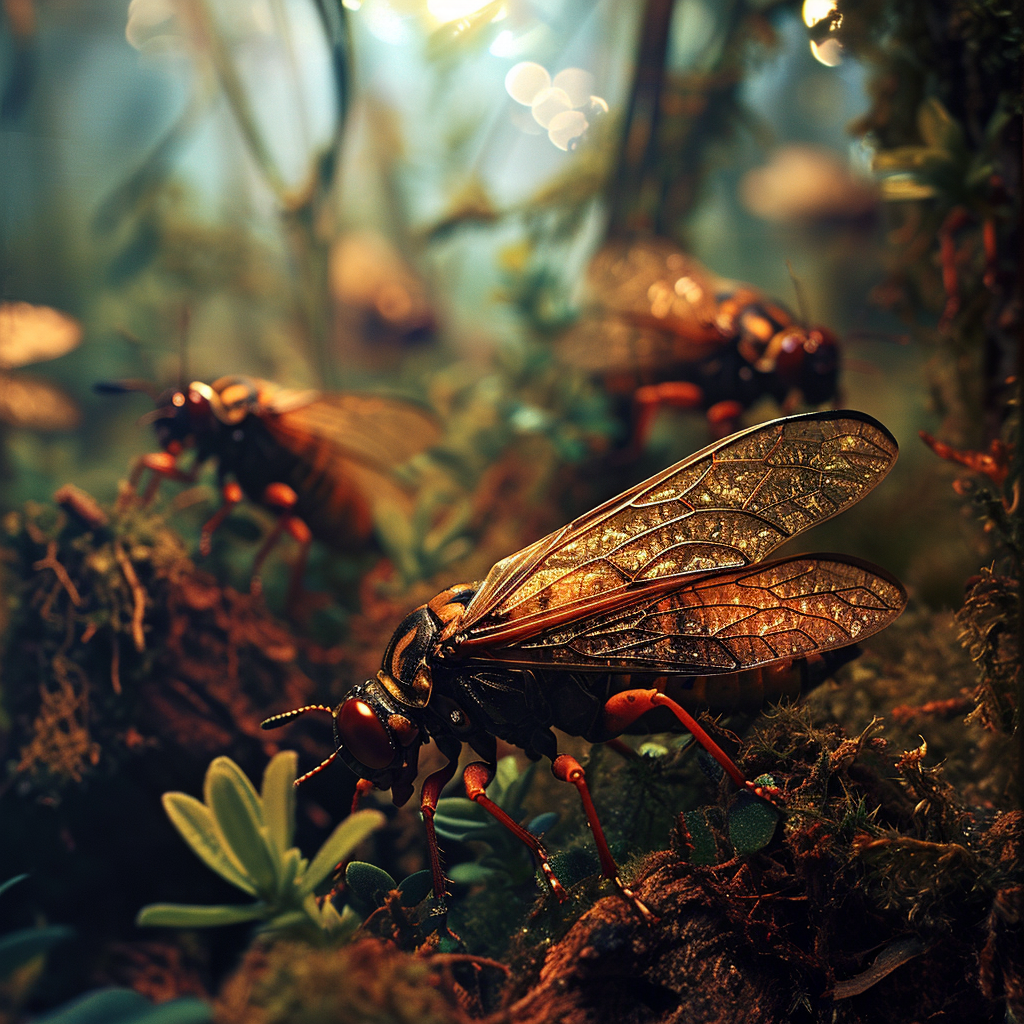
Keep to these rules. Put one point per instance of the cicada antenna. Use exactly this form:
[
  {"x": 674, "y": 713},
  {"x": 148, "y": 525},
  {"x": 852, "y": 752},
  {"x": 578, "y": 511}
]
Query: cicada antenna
[
  {"x": 802, "y": 305},
  {"x": 286, "y": 716},
  {"x": 319, "y": 768}
]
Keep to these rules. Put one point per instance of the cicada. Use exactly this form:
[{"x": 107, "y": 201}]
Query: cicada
[
  {"x": 611, "y": 620},
  {"x": 321, "y": 461},
  {"x": 660, "y": 329}
]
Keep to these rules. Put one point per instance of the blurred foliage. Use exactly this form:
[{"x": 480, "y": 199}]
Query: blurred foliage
[
  {"x": 246, "y": 838},
  {"x": 946, "y": 118}
]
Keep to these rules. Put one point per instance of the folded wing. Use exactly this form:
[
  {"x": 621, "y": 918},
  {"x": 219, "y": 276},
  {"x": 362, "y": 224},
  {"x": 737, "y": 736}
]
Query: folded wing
[
  {"x": 728, "y": 506},
  {"x": 724, "y": 623}
]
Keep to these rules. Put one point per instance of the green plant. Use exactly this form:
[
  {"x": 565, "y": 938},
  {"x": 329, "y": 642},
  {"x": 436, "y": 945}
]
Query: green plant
[
  {"x": 246, "y": 838},
  {"x": 123, "y": 1006}
]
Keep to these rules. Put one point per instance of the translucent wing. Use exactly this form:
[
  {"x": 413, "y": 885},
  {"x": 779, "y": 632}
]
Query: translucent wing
[
  {"x": 723, "y": 623},
  {"x": 33, "y": 334},
  {"x": 598, "y": 344},
  {"x": 726, "y": 507},
  {"x": 652, "y": 284},
  {"x": 378, "y": 431}
]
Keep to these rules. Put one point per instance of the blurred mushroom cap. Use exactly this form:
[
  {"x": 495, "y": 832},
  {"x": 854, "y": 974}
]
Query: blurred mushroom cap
[
  {"x": 802, "y": 183},
  {"x": 33, "y": 334}
]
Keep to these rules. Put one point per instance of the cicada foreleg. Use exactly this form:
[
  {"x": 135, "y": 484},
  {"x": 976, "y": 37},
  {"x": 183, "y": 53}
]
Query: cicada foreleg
[
  {"x": 623, "y": 709},
  {"x": 476, "y": 778},
  {"x": 163, "y": 466}
]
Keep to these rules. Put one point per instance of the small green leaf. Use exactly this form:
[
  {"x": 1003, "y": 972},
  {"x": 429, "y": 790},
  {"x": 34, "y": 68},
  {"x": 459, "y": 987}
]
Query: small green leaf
[
  {"x": 11, "y": 882},
  {"x": 339, "y": 844},
  {"x": 186, "y": 915},
  {"x": 239, "y": 816},
  {"x": 194, "y": 821},
  {"x": 903, "y": 187},
  {"x": 123, "y": 1006},
  {"x": 470, "y": 873},
  {"x": 415, "y": 888},
  {"x": 17, "y": 948},
  {"x": 278, "y": 797},
  {"x": 752, "y": 821},
  {"x": 368, "y": 884},
  {"x": 938, "y": 128},
  {"x": 107, "y": 1006}
]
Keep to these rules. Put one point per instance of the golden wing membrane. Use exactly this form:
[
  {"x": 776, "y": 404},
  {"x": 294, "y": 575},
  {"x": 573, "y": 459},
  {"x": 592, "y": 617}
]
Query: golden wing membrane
[
  {"x": 725, "y": 507},
  {"x": 743, "y": 619},
  {"x": 378, "y": 431}
]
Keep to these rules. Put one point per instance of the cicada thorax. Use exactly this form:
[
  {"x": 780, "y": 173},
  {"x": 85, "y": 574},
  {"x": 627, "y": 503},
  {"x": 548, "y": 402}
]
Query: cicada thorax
[{"x": 250, "y": 444}]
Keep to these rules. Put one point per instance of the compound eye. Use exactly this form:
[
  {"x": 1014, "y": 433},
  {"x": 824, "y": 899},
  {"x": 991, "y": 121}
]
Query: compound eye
[{"x": 363, "y": 736}]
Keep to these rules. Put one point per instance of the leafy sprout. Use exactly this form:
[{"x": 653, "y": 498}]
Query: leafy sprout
[{"x": 246, "y": 838}]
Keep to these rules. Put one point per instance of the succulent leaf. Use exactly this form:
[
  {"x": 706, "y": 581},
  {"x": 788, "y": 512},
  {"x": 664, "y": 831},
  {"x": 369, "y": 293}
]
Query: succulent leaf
[
  {"x": 195, "y": 823},
  {"x": 278, "y": 798},
  {"x": 239, "y": 817},
  {"x": 338, "y": 845},
  {"x": 188, "y": 915}
]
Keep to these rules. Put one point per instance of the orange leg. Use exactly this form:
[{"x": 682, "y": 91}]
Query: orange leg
[
  {"x": 568, "y": 769},
  {"x": 283, "y": 497},
  {"x": 363, "y": 787},
  {"x": 477, "y": 777},
  {"x": 163, "y": 466},
  {"x": 625, "y": 708},
  {"x": 650, "y": 398},
  {"x": 231, "y": 495},
  {"x": 429, "y": 796}
]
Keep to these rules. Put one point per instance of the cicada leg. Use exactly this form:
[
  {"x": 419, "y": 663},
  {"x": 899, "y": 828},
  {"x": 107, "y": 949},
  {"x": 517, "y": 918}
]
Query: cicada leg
[
  {"x": 624, "y": 708},
  {"x": 283, "y": 497},
  {"x": 231, "y": 495},
  {"x": 477, "y": 778},
  {"x": 649, "y": 399},
  {"x": 163, "y": 466},
  {"x": 568, "y": 769}
]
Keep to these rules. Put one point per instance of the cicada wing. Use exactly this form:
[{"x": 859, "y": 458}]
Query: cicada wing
[
  {"x": 36, "y": 404},
  {"x": 651, "y": 283},
  {"x": 612, "y": 344},
  {"x": 377, "y": 430},
  {"x": 727, "y": 506},
  {"x": 33, "y": 334},
  {"x": 742, "y": 619}
]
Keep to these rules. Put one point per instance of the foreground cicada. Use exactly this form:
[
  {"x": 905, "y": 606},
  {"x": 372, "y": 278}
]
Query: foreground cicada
[
  {"x": 617, "y": 614},
  {"x": 660, "y": 329},
  {"x": 321, "y": 461}
]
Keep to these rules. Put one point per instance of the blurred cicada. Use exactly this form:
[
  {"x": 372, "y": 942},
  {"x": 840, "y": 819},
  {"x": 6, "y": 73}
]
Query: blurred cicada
[
  {"x": 323, "y": 462},
  {"x": 660, "y": 329},
  {"x": 615, "y": 619}
]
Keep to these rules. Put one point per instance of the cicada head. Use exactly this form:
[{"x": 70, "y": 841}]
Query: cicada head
[
  {"x": 378, "y": 738},
  {"x": 806, "y": 359},
  {"x": 183, "y": 417}
]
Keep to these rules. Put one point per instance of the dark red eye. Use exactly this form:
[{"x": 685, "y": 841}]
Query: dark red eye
[{"x": 363, "y": 736}]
